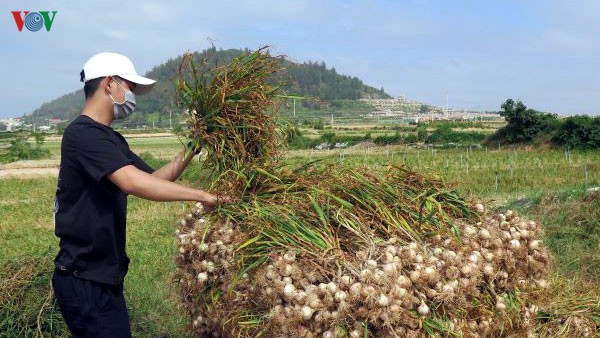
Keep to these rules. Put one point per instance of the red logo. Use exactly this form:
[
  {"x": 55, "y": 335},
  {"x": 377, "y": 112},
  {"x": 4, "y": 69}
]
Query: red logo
[{"x": 34, "y": 21}]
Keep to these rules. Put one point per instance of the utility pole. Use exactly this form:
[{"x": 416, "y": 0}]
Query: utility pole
[
  {"x": 331, "y": 121},
  {"x": 447, "y": 112},
  {"x": 294, "y": 108},
  {"x": 170, "y": 125}
]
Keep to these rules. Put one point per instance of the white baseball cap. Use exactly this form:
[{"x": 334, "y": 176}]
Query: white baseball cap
[{"x": 113, "y": 64}]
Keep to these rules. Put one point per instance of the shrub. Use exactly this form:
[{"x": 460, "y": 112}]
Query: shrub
[
  {"x": 579, "y": 132},
  {"x": 20, "y": 149},
  {"x": 396, "y": 138},
  {"x": 445, "y": 134}
]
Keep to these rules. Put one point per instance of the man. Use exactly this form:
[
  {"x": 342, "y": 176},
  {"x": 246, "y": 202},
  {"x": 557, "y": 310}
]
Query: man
[{"x": 97, "y": 172}]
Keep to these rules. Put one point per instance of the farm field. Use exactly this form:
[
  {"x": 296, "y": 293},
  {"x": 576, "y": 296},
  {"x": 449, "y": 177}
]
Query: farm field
[{"x": 548, "y": 185}]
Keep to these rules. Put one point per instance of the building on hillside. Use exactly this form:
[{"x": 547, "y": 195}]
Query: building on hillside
[
  {"x": 54, "y": 122},
  {"x": 414, "y": 111}
]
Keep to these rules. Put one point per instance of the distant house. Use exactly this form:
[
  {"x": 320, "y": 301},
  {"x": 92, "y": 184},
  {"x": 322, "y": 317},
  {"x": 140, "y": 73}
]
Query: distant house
[
  {"x": 322, "y": 146},
  {"x": 54, "y": 122},
  {"x": 12, "y": 123}
]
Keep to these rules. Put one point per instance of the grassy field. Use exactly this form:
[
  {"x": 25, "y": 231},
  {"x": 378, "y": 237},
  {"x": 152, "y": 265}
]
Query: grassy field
[
  {"x": 164, "y": 147},
  {"x": 501, "y": 175},
  {"x": 548, "y": 185},
  {"x": 26, "y": 230}
]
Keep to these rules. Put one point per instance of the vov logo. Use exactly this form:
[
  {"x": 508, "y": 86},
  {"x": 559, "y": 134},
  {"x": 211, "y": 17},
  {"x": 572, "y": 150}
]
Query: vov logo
[{"x": 33, "y": 21}]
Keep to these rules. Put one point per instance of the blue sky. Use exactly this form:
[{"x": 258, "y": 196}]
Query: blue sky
[{"x": 546, "y": 53}]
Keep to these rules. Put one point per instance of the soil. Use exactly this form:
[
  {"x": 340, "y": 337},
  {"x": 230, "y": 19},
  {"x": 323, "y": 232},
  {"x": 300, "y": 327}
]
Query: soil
[{"x": 29, "y": 169}]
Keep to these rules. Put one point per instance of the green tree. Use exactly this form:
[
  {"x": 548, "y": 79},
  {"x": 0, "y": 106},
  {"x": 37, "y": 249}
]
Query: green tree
[
  {"x": 135, "y": 120},
  {"x": 153, "y": 119},
  {"x": 523, "y": 124},
  {"x": 39, "y": 138},
  {"x": 579, "y": 132},
  {"x": 20, "y": 149},
  {"x": 328, "y": 137},
  {"x": 421, "y": 134}
]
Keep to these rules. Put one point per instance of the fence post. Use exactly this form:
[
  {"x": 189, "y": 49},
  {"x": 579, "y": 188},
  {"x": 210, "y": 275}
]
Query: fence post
[
  {"x": 570, "y": 158},
  {"x": 496, "y": 181}
]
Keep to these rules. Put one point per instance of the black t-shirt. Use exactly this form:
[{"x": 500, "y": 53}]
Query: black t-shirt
[{"x": 89, "y": 210}]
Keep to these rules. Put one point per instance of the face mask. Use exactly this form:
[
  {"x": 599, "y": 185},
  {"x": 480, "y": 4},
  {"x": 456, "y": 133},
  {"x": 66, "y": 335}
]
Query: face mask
[{"x": 123, "y": 109}]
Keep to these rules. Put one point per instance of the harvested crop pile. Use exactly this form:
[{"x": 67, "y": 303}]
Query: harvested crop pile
[{"x": 324, "y": 251}]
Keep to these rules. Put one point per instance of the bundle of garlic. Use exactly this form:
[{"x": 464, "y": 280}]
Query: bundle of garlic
[{"x": 479, "y": 283}]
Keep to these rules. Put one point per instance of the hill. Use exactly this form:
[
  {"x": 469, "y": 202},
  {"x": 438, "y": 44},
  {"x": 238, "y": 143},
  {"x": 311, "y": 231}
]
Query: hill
[{"x": 311, "y": 79}]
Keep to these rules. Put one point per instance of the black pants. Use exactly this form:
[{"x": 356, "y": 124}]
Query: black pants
[{"x": 91, "y": 309}]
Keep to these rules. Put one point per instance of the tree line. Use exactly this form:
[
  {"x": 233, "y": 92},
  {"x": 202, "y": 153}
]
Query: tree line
[{"x": 529, "y": 126}]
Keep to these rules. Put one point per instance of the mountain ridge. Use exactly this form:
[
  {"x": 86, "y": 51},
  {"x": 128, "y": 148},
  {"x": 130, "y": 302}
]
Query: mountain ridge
[{"x": 310, "y": 79}]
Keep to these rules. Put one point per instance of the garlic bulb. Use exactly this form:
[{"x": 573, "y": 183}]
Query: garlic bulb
[
  {"x": 423, "y": 309},
  {"x": 307, "y": 312},
  {"x": 289, "y": 289},
  {"x": 202, "y": 276},
  {"x": 383, "y": 300}
]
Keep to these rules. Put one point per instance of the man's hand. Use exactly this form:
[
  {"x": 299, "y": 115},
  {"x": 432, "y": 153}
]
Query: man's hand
[
  {"x": 194, "y": 148},
  {"x": 212, "y": 200}
]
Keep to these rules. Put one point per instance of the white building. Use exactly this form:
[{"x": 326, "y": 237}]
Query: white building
[{"x": 12, "y": 123}]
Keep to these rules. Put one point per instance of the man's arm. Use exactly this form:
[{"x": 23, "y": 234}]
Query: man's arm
[
  {"x": 173, "y": 169},
  {"x": 135, "y": 182}
]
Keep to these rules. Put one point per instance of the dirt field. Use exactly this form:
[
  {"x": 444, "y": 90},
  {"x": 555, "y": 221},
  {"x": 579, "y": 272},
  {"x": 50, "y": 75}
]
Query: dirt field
[{"x": 29, "y": 169}]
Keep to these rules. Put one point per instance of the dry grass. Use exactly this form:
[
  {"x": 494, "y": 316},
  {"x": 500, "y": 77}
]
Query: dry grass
[
  {"x": 570, "y": 308},
  {"x": 27, "y": 305}
]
